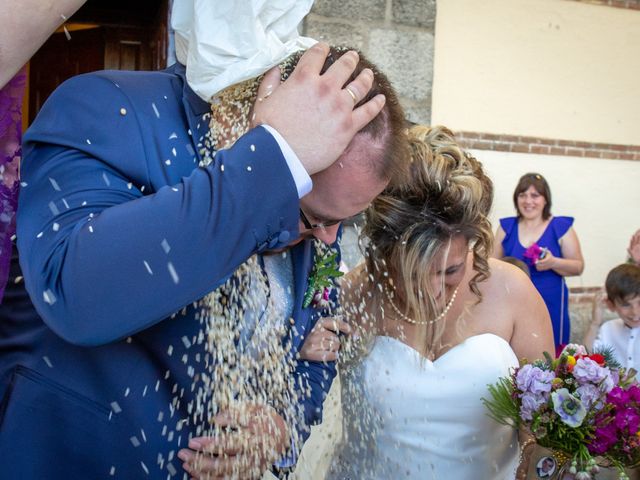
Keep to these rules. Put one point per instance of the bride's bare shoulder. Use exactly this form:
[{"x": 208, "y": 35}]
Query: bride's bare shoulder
[{"x": 509, "y": 279}]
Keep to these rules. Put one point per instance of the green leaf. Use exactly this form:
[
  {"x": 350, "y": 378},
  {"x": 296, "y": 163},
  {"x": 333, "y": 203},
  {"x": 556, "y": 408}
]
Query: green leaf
[
  {"x": 501, "y": 406},
  {"x": 548, "y": 359}
]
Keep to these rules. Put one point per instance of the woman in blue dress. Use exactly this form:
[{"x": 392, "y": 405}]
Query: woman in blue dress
[{"x": 548, "y": 244}]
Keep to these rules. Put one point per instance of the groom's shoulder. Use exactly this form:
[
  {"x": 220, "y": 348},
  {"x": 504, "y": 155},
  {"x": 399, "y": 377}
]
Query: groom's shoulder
[
  {"x": 87, "y": 98},
  {"x": 139, "y": 82},
  {"x": 110, "y": 85},
  {"x": 116, "y": 83}
]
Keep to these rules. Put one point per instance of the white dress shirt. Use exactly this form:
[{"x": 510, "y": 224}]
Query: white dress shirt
[{"x": 624, "y": 341}]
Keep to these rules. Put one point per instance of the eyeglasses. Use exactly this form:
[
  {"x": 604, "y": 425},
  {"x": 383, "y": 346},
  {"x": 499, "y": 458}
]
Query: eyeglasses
[{"x": 310, "y": 226}]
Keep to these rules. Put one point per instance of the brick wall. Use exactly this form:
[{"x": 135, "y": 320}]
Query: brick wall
[
  {"x": 547, "y": 146},
  {"x": 630, "y": 4}
]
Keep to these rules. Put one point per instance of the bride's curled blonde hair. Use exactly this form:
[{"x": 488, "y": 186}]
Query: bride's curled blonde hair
[{"x": 447, "y": 194}]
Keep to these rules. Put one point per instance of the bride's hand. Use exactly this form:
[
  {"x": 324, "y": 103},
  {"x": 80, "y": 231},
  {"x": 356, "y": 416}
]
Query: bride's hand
[
  {"x": 526, "y": 450},
  {"x": 323, "y": 342}
]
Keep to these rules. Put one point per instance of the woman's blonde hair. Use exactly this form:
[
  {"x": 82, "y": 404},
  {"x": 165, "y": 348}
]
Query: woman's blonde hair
[{"x": 447, "y": 194}]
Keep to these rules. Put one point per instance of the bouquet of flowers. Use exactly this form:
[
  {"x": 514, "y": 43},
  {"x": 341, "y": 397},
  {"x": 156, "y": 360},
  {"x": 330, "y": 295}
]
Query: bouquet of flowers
[{"x": 581, "y": 406}]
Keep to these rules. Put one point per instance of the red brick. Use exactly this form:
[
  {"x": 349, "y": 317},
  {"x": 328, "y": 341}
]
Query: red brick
[
  {"x": 502, "y": 146},
  {"x": 490, "y": 136},
  {"x": 575, "y": 152},
  {"x": 479, "y": 145},
  {"x": 527, "y": 140},
  {"x": 594, "y": 154},
  {"x": 557, "y": 151},
  {"x": 520, "y": 148},
  {"x": 541, "y": 149},
  {"x": 617, "y": 147}
]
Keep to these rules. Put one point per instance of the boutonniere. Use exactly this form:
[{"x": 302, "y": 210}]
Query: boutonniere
[{"x": 321, "y": 280}]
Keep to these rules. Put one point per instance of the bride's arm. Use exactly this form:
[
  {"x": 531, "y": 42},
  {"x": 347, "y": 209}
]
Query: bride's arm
[
  {"x": 532, "y": 336},
  {"x": 532, "y": 331}
]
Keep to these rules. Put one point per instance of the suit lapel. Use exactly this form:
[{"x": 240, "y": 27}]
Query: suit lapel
[{"x": 301, "y": 256}]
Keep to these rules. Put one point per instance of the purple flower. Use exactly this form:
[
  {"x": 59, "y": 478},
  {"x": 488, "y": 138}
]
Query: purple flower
[
  {"x": 568, "y": 407},
  {"x": 530, "y": 404},
  {"x": 619, "y": 397},
  {"x": 603, "y": 439},
  {"x": 590, "y": 396},
  {"x": 588, "y": 371},
  {"x": 534, "y": 380},
  {"x": 634, "y": 392},
  {"x": 627, "y": 419},
  {"x": 321, "y": 298}
]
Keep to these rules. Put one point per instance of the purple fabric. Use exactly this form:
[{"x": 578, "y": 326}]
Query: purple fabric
[{"x": 10, "y": 153}]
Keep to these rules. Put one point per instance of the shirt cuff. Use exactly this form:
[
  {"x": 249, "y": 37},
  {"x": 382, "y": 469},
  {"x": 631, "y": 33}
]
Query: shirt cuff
[
  {"x": 290, "y": 459},
  {"x": 300, "y": 175}
]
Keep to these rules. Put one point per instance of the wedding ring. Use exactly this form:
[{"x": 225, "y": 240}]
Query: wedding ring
[{"x": 353, "y": 95}]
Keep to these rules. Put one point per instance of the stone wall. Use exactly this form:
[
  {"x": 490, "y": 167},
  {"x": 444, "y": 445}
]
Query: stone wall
[{"x": 396, "y": 35}]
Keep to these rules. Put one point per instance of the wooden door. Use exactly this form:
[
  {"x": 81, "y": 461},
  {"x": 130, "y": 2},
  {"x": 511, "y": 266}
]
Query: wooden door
[
  {"x": 60, "y": 59},
  {"x": 125, "y": 35}
]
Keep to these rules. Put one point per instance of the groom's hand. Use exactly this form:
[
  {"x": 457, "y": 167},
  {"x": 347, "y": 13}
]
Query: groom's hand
[
  {"x": 323, "y": 342},
  {"x": 251, "y": 440},
  {"x": 312, "y": 111}
]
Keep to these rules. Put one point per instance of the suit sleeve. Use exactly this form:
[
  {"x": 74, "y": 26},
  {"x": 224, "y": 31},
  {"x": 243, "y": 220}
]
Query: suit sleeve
[
  {"x": 106, "y": 248},
  {"x": 315, "y": 380}
]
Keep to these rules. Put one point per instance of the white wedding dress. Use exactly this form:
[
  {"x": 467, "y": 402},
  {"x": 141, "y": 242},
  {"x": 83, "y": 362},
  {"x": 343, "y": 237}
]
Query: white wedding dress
[{"x": 405, "y": 417}]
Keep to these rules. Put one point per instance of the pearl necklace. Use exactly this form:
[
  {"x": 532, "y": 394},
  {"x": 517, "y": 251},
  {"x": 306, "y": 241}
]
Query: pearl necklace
[{"x": 425, "y": 322}]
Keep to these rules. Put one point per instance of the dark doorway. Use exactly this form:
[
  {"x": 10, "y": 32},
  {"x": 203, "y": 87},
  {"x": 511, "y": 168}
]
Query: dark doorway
[{"x": 103, "y": 34}]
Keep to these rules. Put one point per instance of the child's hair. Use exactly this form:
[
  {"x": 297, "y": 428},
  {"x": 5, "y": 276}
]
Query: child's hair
[
  {"x": 623, "y": 282},
  {"x": 518, "y": 263}
]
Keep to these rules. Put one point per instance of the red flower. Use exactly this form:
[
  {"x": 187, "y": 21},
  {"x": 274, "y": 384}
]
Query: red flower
[{"x": 596, "y": 357}]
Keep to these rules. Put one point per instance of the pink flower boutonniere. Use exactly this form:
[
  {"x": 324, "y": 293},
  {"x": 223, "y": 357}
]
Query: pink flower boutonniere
[{"x": 321, "y": 280}]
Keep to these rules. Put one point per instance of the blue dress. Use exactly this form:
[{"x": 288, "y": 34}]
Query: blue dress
[{"x": 551, "y": 285}]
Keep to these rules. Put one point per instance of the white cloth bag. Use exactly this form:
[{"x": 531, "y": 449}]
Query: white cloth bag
[{"x": 223, "y": 42}]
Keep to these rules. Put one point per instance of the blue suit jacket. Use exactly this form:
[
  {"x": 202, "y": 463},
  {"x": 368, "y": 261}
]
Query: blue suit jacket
[{"x": 117, "y": 230}]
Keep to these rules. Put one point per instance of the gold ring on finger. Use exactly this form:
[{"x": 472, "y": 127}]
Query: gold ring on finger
[{"x": 353, "y": 95}]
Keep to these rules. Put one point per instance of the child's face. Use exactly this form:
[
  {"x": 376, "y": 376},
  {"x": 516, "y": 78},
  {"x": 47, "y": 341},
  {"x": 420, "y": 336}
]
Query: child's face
[{"x": 628, "y": 310}]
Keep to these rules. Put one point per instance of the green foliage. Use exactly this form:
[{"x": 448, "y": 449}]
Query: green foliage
[
  {"x": 501, "y": 406},
  {"x": 324, "y": 271},
  {"x": 609, "y": 357}
]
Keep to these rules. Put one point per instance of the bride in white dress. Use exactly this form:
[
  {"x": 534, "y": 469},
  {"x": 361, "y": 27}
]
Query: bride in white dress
[{"x": 436, "y": 322}]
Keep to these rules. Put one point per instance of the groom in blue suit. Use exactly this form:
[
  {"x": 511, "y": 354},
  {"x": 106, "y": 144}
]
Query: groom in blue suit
[{"x": 118, "y": 229}]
